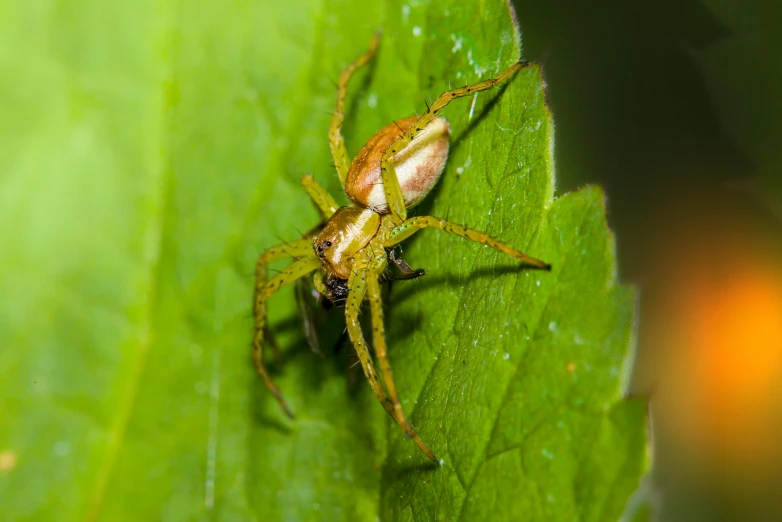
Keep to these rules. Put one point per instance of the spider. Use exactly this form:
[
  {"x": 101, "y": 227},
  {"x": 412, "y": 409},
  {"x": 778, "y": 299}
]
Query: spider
[{"x": 394, "y": 170}]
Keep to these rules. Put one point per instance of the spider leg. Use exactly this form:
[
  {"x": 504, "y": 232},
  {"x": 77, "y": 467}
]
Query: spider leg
[
  {"x": 396, "y": 201},
  {"x": 265, "y": 289},
  {"x": 320, "y": 197},
  {"x": 413, "y": 225},
  {"x": 337, "y": 143},
  {"x": 269, "y": 336},
  {"x": 379, "y": 343},
  {"x": 358, "y": 290}
]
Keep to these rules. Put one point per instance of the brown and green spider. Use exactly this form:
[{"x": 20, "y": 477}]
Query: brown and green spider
[{"x": 394, "y": 170}]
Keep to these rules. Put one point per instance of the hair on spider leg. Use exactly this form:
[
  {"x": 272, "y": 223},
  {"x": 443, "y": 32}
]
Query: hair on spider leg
[
  {"x": 332, "y": 81},
  {"x": 282, "y": 240},
  {"x": 447, "y": 212},
  {"x": 243, "y": 273},
  {"x": 325, "y": 111},
  {"x": 298, "y": 231}
]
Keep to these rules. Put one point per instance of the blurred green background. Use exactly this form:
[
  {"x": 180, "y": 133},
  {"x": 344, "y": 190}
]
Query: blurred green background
[{"x": 674, "y": 107}]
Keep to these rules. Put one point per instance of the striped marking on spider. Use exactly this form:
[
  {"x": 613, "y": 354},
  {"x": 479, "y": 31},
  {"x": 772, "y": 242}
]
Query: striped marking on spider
[{"x": 394, "y": 171}]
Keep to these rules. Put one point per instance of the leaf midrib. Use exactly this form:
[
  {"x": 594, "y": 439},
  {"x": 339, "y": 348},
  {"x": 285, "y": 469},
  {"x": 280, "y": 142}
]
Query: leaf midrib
[{"x": 161, "y": 176}]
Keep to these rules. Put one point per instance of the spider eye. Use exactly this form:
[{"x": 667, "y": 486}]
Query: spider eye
[{"x": 328, "y": 243}]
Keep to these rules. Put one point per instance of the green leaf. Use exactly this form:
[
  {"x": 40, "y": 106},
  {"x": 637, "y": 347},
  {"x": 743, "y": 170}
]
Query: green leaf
[{"x": 150, "y": 151}]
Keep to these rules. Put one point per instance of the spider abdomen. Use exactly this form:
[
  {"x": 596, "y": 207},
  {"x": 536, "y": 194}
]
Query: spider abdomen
[{"x": 418, "y": 166}]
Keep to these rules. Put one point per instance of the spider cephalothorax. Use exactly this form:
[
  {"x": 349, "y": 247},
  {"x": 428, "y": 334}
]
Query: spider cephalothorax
[{"x": 394, "y": 170}]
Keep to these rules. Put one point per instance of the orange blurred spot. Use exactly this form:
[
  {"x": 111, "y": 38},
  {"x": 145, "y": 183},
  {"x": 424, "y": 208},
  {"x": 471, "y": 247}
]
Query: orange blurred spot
[
  {"x": 571, "y": 367},
  {"x": 711, "y": 343},
  {"x": 736, "y": 338},
  {"x": 741, "y": 334},
  {"x": 7, "y": 460}
]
